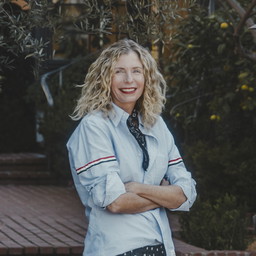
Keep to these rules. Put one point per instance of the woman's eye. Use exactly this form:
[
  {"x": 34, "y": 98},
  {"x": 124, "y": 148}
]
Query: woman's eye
[{"x": 118, "y": 71}]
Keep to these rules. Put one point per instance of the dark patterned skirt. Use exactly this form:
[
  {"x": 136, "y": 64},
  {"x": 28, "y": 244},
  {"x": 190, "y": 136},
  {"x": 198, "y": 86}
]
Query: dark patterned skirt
[{"x": 151, "y": 250}]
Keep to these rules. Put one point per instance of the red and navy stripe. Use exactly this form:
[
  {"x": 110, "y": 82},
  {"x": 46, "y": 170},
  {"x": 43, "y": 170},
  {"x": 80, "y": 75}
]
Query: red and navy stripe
[
  {"x": 89, "y": 165},
  {"x": 175, "y": 161}
]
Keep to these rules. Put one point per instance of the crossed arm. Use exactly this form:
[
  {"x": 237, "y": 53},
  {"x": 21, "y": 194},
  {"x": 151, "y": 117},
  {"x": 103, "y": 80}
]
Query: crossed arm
[{"x": 141, "y": 197}]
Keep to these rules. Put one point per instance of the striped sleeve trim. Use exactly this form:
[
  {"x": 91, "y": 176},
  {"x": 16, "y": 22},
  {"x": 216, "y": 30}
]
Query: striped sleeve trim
[
  {"x": 175, "y": 161},
  {"x": 95, "y": 162}
]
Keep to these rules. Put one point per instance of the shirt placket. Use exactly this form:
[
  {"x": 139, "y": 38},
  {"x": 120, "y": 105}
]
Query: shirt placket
[{"x": 152, "y": 144}]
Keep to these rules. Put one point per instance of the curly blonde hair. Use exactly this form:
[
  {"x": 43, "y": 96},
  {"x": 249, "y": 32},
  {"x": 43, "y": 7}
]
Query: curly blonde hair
[{"x": 96, "y": 90}]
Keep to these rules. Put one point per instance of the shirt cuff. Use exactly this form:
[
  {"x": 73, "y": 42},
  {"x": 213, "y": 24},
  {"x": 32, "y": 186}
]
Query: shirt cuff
[
  {"x": 190, "y": 194},
  {"x": 184, "y": 207},
  {"x": 108, "y": 190}
]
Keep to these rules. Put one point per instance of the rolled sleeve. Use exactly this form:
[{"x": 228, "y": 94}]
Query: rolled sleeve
[
  {"x": 190, "y": 193},
  {"x": 108, "y": 190},
  {"x": 93, "y": 162}
]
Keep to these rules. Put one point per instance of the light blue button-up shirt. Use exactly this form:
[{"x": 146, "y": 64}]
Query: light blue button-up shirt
[{"x": 103, "y": 156}]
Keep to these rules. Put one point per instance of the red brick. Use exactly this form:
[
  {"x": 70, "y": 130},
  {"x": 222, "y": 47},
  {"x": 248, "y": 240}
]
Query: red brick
[
  {"x": 62, "y": 250},
  {"x": 77, "y": 250},
  {"x": 15, "y": 232},
  {"x": 231, "y": 253},
  {"x": 46, "y": 250},
  {"x": 13, "y": 247},
  {"x": 198, "y": 254},
  {"x": 3, "y": 249},
  {"x": 15, "y": 250},
  {"x": 220, "y": 253},
  {"x": 210, "y": 253},
  {"x": 31, "y": 250}
]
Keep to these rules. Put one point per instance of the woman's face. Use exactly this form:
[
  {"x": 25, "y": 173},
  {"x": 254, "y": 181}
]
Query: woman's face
[{"x": 127, "y": 81}]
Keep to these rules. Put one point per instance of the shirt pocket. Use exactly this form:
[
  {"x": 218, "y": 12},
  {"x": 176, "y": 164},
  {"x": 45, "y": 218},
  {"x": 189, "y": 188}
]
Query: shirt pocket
[
  {"x": 159, "y": 168},
  {"x": 130, "y": 162}
]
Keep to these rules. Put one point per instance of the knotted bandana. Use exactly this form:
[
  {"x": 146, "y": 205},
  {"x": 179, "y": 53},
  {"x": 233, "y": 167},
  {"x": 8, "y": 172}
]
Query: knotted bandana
[{"x": 133, "y": 126}]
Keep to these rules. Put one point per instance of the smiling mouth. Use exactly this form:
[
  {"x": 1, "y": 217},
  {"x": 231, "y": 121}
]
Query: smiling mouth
[{"x": 128, "y": 90}]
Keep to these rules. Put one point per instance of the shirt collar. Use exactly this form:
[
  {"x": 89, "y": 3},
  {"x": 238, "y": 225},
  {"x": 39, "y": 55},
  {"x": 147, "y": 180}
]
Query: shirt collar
[{"x": 118, "y": 114}]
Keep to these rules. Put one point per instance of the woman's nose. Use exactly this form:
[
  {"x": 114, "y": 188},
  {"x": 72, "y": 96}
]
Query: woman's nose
[{"x": 128, "y": 77}]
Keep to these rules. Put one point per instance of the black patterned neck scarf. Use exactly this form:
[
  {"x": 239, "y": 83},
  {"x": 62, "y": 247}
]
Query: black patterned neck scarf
[{"x": 133, "y": 126}]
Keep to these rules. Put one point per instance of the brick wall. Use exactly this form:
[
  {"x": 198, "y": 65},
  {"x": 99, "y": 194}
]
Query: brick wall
[{"x": 184, "y": 249}]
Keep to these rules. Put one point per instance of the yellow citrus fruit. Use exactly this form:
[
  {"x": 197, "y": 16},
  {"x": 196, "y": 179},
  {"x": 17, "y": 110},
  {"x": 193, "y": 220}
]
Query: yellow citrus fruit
[
  {"x": 215, "y": 117},
  {"x": 224, "y": 25},
  {"x": 244, "y": 87},
  {"x": 243, "y": 75}
]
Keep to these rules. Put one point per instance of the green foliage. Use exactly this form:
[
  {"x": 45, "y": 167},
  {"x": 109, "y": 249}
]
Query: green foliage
[
  {"x": 215, "y": 226},
  {"x": 223, "y": 168},
  {"x": 151, "y": 21},
  {"x": 144, "y": 21},
  {"x": 207, "y": 76},
  {"x": 212, "y": 105},
  {"x": 17, "y": 28},
  {"x": 212, "y": 101},
  {"x": 140, "y": 20}
]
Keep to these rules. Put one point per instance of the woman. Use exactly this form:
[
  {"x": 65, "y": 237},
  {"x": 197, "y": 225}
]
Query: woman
[{"x": 124, "y": 162}]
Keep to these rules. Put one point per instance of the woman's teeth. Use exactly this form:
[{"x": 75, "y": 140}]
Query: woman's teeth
[{"x": 128, "y": 89}]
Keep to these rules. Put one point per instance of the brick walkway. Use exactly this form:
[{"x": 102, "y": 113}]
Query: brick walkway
[
  {"x": 41, "y": 220},
  {"x": 48, "y": 220}
]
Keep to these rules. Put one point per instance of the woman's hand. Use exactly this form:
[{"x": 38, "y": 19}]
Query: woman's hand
[
  {"x": 164, "y": 194},
  {"x": 164, "y": 182},
  {"x": 132, "y": 187},
  {"x": 141, "y": 197}
]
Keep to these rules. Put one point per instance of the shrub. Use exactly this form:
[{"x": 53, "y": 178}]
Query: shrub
[
  {"x": 212, "y": 104},
  {"x": 219, "y": 225},
  {"x": 223, "y": 168}
]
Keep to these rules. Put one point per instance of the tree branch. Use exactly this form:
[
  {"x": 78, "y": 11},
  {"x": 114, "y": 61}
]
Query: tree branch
[
  {"x": 245, "y": 19},
  {"x": 244, "y": 15}
]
